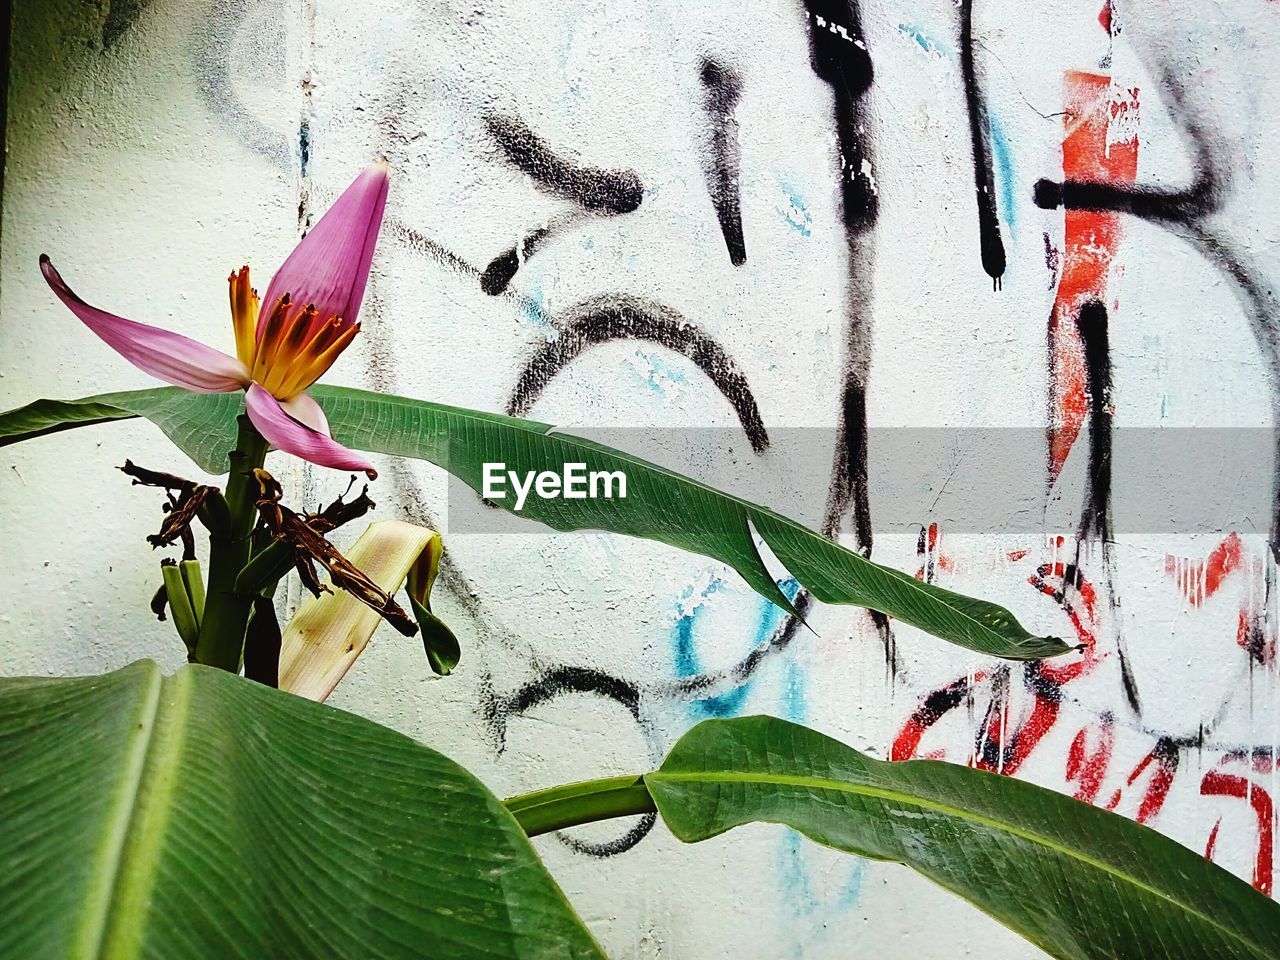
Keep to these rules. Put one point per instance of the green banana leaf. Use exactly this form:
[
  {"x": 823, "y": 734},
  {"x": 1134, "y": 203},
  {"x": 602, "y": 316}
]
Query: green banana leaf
[
  {"x": 1077, "y": 881},
  {"x": 660, "y": 504},
  {"x": 204, "y": 815}
]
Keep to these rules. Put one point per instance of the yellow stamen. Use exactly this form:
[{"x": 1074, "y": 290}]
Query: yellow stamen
[
  {"x": 318, "y": 356},
  {"x": 273, "y": 332},
  {"x": 319, "y": 341},
  {"x": 244, "y": 315},
  {"x": 295, "y": 346},
  {"x": 292, "y": 340}
]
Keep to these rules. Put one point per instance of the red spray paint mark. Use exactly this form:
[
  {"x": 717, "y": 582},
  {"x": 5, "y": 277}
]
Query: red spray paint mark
[
  {"x": 931, "y": 709},
  {"x": 1200, "y": 581},
  {"x": 996, "y": 749},
  {"x": 1217, "y": 783},
  {"x": 1091, "y": 151},
  {"x": 1255, "y": 639},
  {"x": 999, "y": 755},
  {"x": 1197, "y": 581},
  {"x": 1163, "y": 761},
  {"x": 1089, "y": 757},
  {"x": 1104, "y": 17},
  {"x": 932, "y": 559},
  {"x": 1005, "y": 752},
  {"x": 1212, "y": 845},
  {"x": 1079, "y": 601}
]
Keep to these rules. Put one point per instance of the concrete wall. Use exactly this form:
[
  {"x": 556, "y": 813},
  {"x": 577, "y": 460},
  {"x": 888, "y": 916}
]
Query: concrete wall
[{"x": 832, "y": 235}]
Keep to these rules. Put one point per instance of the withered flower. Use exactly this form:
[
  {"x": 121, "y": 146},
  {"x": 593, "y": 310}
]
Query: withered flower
[{"x": 305, "y": 536}]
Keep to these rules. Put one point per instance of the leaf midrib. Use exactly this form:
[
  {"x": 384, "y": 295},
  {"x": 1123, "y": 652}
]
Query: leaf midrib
[
  {"x": 746, "y": 506},
  {"x": 143, "y": 817},
  {"x": 92, "y": 939},
  {"x": 353, "y": 395},
  {"x": 960, "y": 813}
]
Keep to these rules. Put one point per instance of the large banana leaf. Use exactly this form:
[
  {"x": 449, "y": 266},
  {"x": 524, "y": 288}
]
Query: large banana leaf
[
  {"x": 207, "y": 816},
  {"x": 1079, "y": 882},
  {"x": 660, "y": 504}
]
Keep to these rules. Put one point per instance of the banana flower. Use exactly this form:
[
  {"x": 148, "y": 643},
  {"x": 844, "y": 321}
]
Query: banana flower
[{"x": 311, "y": 307}]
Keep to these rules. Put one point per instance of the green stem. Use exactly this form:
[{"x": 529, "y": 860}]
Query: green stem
[
  {"x": 577, "y": 803},
  {"x": 226, "y": 612}
]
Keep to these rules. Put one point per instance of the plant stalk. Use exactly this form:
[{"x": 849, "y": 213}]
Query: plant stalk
[
  {"x": 576, "y": 803},
  {"x": 226, "y": 612}
]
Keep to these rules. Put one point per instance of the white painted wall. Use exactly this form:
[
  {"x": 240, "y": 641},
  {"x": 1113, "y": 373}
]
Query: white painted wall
[{"x": 150, "y": 165}]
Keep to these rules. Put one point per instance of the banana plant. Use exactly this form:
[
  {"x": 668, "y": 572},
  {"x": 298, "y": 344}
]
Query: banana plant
[
  {"x": 309, "y": 318},
  {"x": 212, "y": 814},
  {"x": 203, "y": 815}
]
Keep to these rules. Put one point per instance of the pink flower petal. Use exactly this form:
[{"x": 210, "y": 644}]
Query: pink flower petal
[
  {"x": 330, "y": 267},
  {"x": 168, "y": 356},
  {"x": 306, "y": 411},
  {"x": 287, "y": 434}
]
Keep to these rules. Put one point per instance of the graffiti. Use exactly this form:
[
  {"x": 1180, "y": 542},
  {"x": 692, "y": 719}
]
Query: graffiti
[
  {"x": 1099, "y": 155},
  {"x": 120, "y": 17},
  {"x": 602, "y": 320},
  {"x": 722, "y": 89},
  {"x": 742, "y": 224},
  {"x": 992, "y": 245},
  {"x": 557, "y": 683},
  {"x": 839, "y": 55},
  {"x": 1092, "y": 152},
  {"x": 1239, "y": 785},
  {"x": 610, "y": 192}
]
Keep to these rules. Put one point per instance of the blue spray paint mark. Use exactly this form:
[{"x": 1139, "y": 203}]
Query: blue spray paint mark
[
  {"x": 795, "y": 882},
  {"x": 794, "y": 876},
  {"x": 658, "y": 374},
  {"x": 689, "y": 611},
  {"x": 798, "y": 890},
  {"x": 797, "y": 885},
  {"x": 566, "y": 48},
  {"x": 795, "y": 699},
  {"x": 572, "y": 87},
  {"x": 533, "y": 310},
  {"x": 796, "y": 214},
  {"x": 1002, "y": 155},
  {"x": 926, "y": 43},
  {"x": 687, "y": 661}
]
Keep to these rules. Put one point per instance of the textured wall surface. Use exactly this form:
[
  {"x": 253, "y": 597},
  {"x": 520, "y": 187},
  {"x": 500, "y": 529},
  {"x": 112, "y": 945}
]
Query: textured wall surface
[{"x": 793, "y": 226}]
